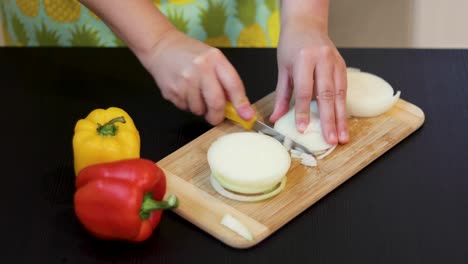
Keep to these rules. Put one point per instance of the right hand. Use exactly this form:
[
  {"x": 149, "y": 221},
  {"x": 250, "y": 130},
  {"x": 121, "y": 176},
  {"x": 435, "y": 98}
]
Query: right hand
[{"x": 196, "y": 77}]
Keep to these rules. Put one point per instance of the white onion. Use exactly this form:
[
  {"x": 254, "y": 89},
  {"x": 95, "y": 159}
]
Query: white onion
[
  {"x": 308, "y": 160},
  {"x": 368, "y": 95},
  {"x": 313, "y": 139},
  {"x": 296, "y": 154},
  {"x": 246, "y": 198},
  {"x": 248, "y": 162},
  {"x": 330, "y": 150},
  {"x": 287, "y": 143},
  {"x": 235, "y": 225}
]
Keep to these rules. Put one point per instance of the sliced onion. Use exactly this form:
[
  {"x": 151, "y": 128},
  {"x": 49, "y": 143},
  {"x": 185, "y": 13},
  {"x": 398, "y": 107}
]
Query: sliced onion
[
  {"x": 308, "y": 160},
  {"x": 287, "y": 143},
  {"x": 246, "y": 198},
  {"x": 248, "y": 162},
  {"x": 312, "y": 139},
  {"x": 235, "y": 225},
  {"x": 327, "y": 152},
  {"x": 296, "y": 154}
]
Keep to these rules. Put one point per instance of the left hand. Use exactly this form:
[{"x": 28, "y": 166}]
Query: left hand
[{"x": 310, "y": 66}]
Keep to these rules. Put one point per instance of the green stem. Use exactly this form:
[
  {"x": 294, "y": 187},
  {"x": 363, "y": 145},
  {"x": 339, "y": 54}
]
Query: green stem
[
  {"x": 109, "y": 128},
  {"x": 149, "y": 205}
]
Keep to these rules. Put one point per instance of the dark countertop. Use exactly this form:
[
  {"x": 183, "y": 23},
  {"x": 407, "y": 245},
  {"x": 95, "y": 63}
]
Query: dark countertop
[{"x": 409, "y": 206}]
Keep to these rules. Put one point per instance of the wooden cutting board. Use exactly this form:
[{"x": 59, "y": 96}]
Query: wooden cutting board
[{"x": 188, "y": 174}]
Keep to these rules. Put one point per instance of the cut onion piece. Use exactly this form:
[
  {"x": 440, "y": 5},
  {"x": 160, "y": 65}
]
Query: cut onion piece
[
  {"x": 313, "y": 139},
  {"x": 327, "y": 152},
  {"x": 248, "y": 162},
  {"x": 368, "y": 95},
  {"x": 287, "y": 143},
  {"x": 246, "y": 198},
  {"x": 295, "y": 154},
  {"x": 308, "y": 160},
  {"x": 235, "y": 225}
]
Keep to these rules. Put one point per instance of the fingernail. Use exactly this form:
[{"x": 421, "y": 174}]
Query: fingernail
[
  {"x": 343, "y": 136},
  {"x": 246, "y": 112},
  {"x": 332, "y": 136},
  {"x": 302, "y": 127}
]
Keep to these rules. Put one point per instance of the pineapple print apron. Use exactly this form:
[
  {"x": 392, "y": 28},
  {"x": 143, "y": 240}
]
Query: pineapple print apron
[{"x": 220, "y": 23}]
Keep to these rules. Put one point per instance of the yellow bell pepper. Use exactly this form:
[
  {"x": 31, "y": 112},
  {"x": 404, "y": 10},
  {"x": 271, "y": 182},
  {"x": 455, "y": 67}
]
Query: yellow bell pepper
[{"x": 105, "y": 135}]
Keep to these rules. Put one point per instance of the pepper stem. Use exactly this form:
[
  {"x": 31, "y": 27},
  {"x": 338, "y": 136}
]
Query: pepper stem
[
  {"x": 109, "y": 128},
  {"x": 149, "y": 205}
]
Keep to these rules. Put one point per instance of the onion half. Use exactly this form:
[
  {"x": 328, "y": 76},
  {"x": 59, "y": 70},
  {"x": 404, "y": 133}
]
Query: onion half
[
  {"x": 246, "y": 198},
  {"x": 248, "y": 164},
  {"x": 368, "y": 95}
]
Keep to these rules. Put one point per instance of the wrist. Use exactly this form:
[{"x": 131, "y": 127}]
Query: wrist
[
  {"x": 312, "y": 14},
  {"x": 146, "y": 48},
  {"x": 147, "y": 54},
  {"x": 307, "y": 22}
]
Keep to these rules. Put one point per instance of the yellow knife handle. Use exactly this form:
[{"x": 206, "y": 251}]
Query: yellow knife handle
[{"x": 231, "y": 114}]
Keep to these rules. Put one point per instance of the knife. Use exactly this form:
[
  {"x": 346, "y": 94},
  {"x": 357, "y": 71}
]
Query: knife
[{"x": 257, "y": 125}]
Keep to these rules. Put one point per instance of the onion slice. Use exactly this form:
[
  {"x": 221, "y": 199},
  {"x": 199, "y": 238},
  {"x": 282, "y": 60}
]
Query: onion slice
[
  {"x": 308, "y": 160},
  {"x": 330, "y": 150},
  {"x": 235, "y": 225},
  {"x": 246, "y": 198}
]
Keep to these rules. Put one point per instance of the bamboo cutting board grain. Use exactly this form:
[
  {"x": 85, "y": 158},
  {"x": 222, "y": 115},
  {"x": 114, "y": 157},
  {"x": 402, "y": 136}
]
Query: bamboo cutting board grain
[{"x": 188, "y": 174}]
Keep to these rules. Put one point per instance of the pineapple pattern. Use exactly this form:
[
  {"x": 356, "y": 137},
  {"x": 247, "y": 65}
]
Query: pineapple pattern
[
  {"x": 29, "y": 8},
  {"x": 213, "y": 20},
  {"x": 219, "y": 23},
  {"x": 273, "y": 22},
  {"x": 252, "y": 34}
]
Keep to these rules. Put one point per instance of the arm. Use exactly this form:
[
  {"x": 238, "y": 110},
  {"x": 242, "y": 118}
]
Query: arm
[
  {"x": 192, "y": 75},
  {"x": 308, "y": 59},
  {"x": 138, "y": 23},
  {"x": 314, "y": 11}
]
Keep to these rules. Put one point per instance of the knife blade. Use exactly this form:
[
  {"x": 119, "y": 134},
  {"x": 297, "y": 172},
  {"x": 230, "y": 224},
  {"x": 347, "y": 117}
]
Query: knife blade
[{"x": 257, "y": 125}]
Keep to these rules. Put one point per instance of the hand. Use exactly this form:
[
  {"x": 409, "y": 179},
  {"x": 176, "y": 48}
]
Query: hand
[
  {"x": 310, "y": 66},
  {"x": 196, "y": 77}
]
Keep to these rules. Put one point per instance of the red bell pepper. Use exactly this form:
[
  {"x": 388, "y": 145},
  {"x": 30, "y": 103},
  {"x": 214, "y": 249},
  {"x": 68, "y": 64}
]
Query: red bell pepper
[{"x": 121, "y": 200}]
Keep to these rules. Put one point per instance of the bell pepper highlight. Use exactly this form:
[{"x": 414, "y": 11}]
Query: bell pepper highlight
[{"x": 122, "y": 200}]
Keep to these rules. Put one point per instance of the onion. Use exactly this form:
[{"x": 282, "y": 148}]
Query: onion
[
  {"x": 330, "y": 150},
  {"x": 308, "y": 160},
  {"x": 248, "y": 162},
  {"x": 246, "y": 198},
  {"x": 287, "y": 143},
  {"x": 312, "y": 138},
  {"x": 352, "y": 69},
  {"x": 296, "y": 154},
  {"x": 235, "y": 225},
  {"x": 369, "y": 95}
]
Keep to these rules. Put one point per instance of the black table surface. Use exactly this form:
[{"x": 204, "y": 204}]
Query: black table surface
[{"x": 408, "y": 206}]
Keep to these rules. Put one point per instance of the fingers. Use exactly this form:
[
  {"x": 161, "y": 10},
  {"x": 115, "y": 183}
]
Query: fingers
[
  {"x": 340, "y": 103},
  {"x": 283, "y": 96},
  {"x": 232, "y": 84},
  {"x": 195, "y": 101},
  {"x": 211, "y": 90},
  {"x": 325, "y": 83},
  {"x": 303, "y": 84}
]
